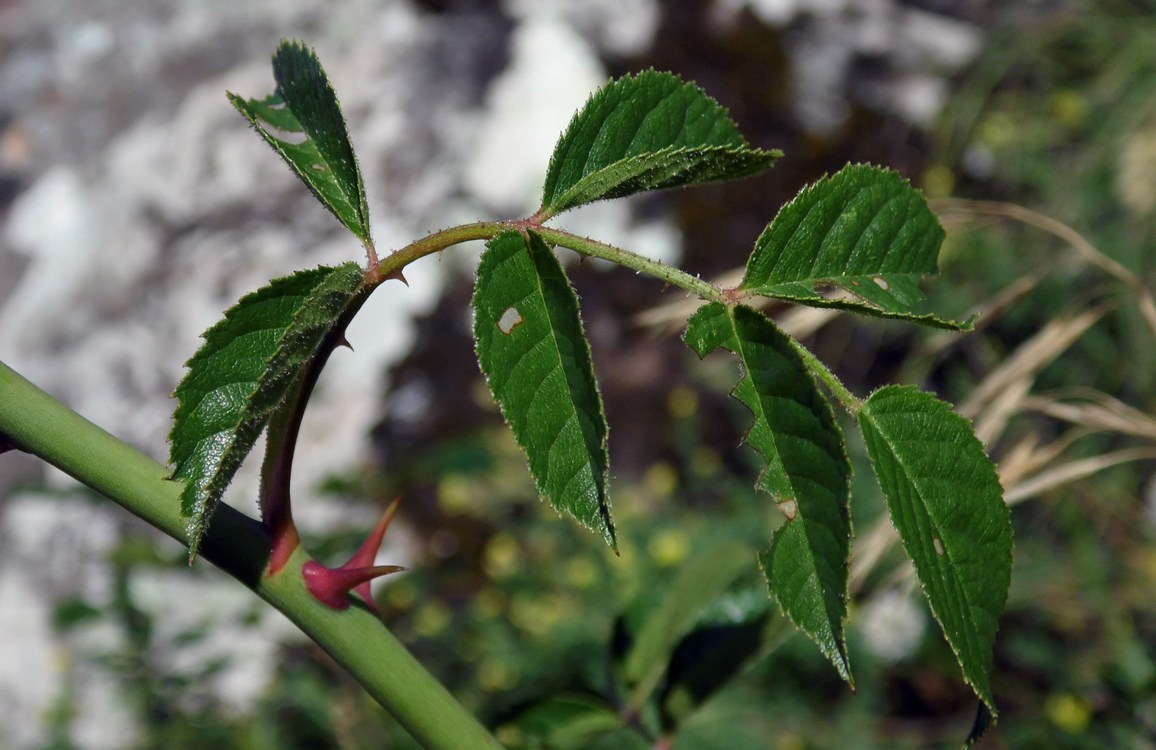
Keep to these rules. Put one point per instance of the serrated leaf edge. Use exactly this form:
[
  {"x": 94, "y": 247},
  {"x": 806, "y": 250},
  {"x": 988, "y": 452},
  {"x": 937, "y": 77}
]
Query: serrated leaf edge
[
  {"x": 602, "y": 471},
  {"x": 839, "y": 657},
  {"x": 812, "y": 297},
  {"x": 358, "y": 203},
  {"x": 214, "y": 486},
  {"x": 552, "y": 205},
  {"x": 983, "y": 692},
  {"x": 863, "y": 307}
]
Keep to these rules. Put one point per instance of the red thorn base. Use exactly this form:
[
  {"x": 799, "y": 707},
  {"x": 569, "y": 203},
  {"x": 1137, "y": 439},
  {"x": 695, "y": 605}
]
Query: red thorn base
[{"x": 331, "y": 586}]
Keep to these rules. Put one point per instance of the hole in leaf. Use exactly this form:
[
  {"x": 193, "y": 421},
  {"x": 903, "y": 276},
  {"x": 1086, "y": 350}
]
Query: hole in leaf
[
  {"x": 509, "y": 320},
  {"x": 789, "y": 508},
  {"x": 938, "y": 545},
  {"x": 290, "y": 137},
  {"x": 881, "y": 283}
]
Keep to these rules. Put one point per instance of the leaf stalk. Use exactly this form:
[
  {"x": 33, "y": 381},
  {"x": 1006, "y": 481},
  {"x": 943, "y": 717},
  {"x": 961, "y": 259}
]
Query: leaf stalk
[
  {"x": 847, "y": 399},
  {"x": 393, "y": 264}
]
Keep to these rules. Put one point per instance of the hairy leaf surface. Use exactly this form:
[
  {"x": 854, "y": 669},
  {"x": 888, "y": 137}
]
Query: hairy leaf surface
[
  {"x": 646, "y": 132},
  {"x": 534, "y": 354},
  {"x": 808, "y": 473},
  {"x": 241, "y": 374},
  {"x": 302, "y": 121},
  {"x": 946, "y": 502},
  {"x": 864, "y": 230}
]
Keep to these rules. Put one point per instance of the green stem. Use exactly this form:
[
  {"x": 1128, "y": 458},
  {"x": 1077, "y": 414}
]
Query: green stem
[
  {"x": 35, "y": 422},
  {"x": 393, "y": 264},
  {"x": 848, "y": 399},
  {"x": 595, "y": 249}
]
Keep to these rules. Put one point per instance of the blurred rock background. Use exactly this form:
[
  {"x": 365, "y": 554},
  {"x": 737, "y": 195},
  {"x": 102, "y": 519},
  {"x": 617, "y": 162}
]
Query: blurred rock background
[{"x": 135, "y": 206}]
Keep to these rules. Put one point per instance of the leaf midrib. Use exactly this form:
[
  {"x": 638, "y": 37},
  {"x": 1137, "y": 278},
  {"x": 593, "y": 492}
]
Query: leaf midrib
[
  {"x": 599, "y": 478},
  {"x": 745, "y": 357},
  {"x": 952, "y": 582}
]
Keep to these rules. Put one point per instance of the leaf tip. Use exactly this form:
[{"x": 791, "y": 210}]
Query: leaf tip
[
  {"x": 985, "y": 719},
  {"x": 611, "y": 538},
  {"x": 195, "y": 533}
]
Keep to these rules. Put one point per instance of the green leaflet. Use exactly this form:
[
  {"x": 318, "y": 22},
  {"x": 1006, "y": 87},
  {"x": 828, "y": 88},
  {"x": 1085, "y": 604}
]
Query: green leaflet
[
  {"x": 302, "y": 121},
  {"x": 646, "y": 132},
  {"x": 570, "y": 722},
  {"x": 534, "y": 354},
  {"x": 734, "y": 719},
  {"x": 946, "y": 502},
  {"x": 701, "y": 581},
  {"x": 808, "y": 473},
  {"x": 241, "y": 374},
  {"x": 863, "y": 229}
]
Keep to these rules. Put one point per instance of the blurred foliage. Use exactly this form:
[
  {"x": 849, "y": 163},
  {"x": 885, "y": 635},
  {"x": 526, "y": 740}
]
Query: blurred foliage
[{"x": 1058, "y": 115}]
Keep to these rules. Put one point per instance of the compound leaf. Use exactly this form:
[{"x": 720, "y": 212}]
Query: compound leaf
[
  {"x": 302, "y": 121},
  {"x": 646, "y": 132},
  {"x": 240, "y": 376},
  {"x": 946, "y": 502},
  {"x": 534, "y": 354},
  {"x": 808, "y": 473},
  {"x": 864, "y": 230}
]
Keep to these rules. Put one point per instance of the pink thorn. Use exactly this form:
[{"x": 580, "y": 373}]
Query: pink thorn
[
  {"x": 367, "y": 552},
  {"x": 331, "y": 586}
]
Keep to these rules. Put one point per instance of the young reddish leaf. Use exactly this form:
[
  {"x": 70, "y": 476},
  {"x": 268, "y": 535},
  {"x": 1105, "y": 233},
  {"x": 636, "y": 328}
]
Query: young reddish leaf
[
  {"x": 646, "y": 132},
  {"x": 241, "y": 374},
  {"x": 302, "y": 121},
  {"x": 808, "y": 473},
  {"x": 863, "y": 229},
  {"x": 947, "y": 504},
  {"x": 534, "y": 354}
]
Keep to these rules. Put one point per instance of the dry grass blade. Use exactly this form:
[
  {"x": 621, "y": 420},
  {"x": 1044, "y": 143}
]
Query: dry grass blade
[
  {"x": 1028, "y": 457},
  {"x": 1098, "y": 412},
  {"x": 992, "y": 421},
  {"x": 1031, "y": 357},
  {"x": 801, "y": 322},
  {"x": 985, "y": 313},
  {"x": 1023, "y": 460},
  {"x": 1073, "y": 470},
  {"x": 869, "y": 550},
  {"x": 1083, "y": 248}
]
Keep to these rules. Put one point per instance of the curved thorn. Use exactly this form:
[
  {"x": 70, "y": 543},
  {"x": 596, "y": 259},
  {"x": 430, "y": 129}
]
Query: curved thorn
[{"x": 331, "y": 586}]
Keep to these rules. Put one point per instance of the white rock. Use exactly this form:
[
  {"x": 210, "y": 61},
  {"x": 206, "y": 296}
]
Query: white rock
[{"x": 892, "y": 625}]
